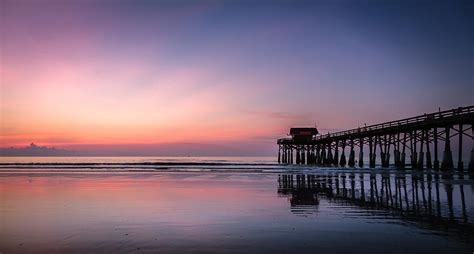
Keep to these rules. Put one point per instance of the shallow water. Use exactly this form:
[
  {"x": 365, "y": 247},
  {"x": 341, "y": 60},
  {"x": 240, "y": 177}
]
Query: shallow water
[{"x": 297, "y": 209}]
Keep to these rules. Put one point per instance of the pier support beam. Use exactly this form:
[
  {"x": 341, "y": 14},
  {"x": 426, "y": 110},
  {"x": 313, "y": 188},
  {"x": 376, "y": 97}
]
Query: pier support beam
[
  {"x": 396, "y": 152},
  {"x": 422, "y": 155},
  {"x": 323, "y": 154},
  {"x": 318, "y": 154},
  {"x": 361, "y": 153},
  {"x": 382, "y": 154},
  {"x": 403, "y": 155},
  {"x": 336, "y": 154},
  {"x": 447, "y": 162},
  {"x": 413, "y": 155},
  {"x": 288, "y": 158},
  {"x": 283, "y": 155},
  {"x": 342, "y": 162},
  {"x": 298, "y": 155},
  {"x": 435, "y": 144},
  {"x": 308, "y": 155},
  {"x": 374, "y": 155},
  {"x": 279, "y": 154},
  {"x": 460, "y": 163},
  {"x": 387, "y": 151},
  {"x": 415, "y": 147},
  {"x": 428, "y": 153},
  {"x": 329, "y": 158},
  {"x": 291, "y": 155},
  {"x": 303, "y": 156},
  {"x": 352, "y": 155},
  {"x": 471, "y": 160},
  {"x": 371, "y": 154}
]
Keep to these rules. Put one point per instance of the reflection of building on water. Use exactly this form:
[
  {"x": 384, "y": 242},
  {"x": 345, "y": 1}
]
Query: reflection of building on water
[
  {"x": 429, "y": 199},
  {"x": 302, "y": 197}
]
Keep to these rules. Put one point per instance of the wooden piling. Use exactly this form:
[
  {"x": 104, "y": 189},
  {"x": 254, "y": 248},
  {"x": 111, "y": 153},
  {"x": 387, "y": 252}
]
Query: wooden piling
[
  {"x": 297, "y": 155},
  {"x": 402, "y": 157},
  {"x": 318, "y": 154},
  {"x": 288, "y": 155},
  {"x": 414, "y": 163},
  {"x": 352, "y": 155},
  {"x": 329, "y": 156},
  {"x": 371, "y": 165},
  {"x": 428, "y": 153},
  {"x": 291, "y": 155},
  {"x": 460, "y": 134},
  {"x": 471, "y": 160},
  {"x": 303, "y": 155},
  {"x": 447, "y": 162},
  {"x": 323, "y": 155},
  {"x": 388, "y": 144},
  {"x": 383, "y": 149},
  {"x": 308, "y": 155},
  {"x": 422, "y": 155},
  {"x": 342, "y": 162},
  {"x": 435, "y": 137},
  {"x": 396, "y": 154},
  {"x": 374, "y": 154}
]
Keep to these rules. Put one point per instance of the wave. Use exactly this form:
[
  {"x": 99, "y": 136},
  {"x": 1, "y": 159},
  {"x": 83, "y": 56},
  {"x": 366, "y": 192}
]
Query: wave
[{"x": 181, "y": 166}]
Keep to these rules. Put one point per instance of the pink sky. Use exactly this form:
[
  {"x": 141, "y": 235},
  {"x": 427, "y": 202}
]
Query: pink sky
[{"x": 83, "y": 75}]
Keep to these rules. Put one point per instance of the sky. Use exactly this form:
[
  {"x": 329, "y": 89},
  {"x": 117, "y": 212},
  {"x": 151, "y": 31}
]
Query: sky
[{"x": 223, "y": 77}]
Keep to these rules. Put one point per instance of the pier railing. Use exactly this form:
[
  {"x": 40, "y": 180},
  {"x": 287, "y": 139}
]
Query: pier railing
[
  {"x": 460, "y": 112},
  {"x": 426, "y": 118}
]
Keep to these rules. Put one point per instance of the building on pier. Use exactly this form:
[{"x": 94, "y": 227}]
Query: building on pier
[{"x": 303, "y": 134}]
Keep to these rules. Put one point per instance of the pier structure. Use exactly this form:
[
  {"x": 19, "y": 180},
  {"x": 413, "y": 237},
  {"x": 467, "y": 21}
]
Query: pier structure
[{"x": 422, "y": 141}]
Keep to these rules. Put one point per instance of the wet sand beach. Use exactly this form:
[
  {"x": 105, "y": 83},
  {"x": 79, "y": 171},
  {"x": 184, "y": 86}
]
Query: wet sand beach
[{"x": 207, "y": 212}]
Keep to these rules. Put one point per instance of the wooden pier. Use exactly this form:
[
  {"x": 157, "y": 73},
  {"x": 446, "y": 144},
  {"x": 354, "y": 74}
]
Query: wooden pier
[{"x": 421, "y": 137}]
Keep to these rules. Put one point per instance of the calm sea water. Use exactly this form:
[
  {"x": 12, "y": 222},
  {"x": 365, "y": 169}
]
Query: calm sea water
[{"x": 229, "y": 205}]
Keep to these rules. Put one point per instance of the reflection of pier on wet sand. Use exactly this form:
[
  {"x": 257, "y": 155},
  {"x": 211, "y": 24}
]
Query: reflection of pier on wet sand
[{"x": 431, "y": 200}]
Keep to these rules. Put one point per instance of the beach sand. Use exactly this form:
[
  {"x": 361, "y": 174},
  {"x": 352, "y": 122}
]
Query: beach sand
[{"x": 197, "y": 213}]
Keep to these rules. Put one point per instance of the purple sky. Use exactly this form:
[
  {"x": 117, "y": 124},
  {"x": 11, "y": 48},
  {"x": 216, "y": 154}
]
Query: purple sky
[{"x": 227, "y": 75}]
